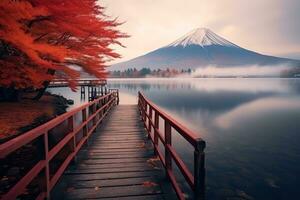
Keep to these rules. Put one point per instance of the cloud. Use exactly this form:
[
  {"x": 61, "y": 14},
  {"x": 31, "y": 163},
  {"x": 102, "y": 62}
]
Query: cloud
[{"x": 253, "y": 70}]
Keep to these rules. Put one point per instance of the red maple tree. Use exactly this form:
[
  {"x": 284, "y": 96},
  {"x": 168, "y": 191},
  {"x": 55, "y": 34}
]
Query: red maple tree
[{"x": 41, "y": 40}]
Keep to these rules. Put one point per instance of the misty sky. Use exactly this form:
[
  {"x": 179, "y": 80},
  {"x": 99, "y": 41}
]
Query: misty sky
[{"x": 266, "y": 26}]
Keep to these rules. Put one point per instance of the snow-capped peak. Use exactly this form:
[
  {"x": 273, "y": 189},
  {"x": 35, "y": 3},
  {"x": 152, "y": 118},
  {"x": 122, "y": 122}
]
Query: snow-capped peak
[{"x": 202, "y": 37}]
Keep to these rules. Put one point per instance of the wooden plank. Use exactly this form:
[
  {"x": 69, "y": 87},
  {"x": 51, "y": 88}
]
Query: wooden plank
[
  {"x": 111, "y": 170},
  {"x": 114, "y": 157},
  {"x": 117, "y": 143},
  {"x": 143, "y": 197},
  {"x": 116, "y": 150},
  {"x": 108, "y": 192},
  {"x": 120, "y": 155},
  {"x": 107, "y": 161},
  {"x": 111, "y": 165},
  {"x": 114, "y": 182},
  {"x": 108, "y": 176}
]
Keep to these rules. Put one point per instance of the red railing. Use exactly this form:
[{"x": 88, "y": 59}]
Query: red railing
[
  {"x": 91, "y": 114},
  {"x": 196, "y": 180}
]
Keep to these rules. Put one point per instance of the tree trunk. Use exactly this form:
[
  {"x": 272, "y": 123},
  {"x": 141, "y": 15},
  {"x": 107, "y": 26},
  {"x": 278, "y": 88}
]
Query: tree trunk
[{"x": 42, "y": 91}]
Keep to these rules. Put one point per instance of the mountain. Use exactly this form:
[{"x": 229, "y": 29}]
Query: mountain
[{"x": 199, "y": 48}]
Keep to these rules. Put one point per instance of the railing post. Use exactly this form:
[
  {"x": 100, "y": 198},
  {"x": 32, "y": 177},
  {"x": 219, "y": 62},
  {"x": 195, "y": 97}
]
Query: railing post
[
  {"x": 156, "y": 127},
  {"x": 118, "y": 97},
  {"x": 47, "y": 171},
  {"x": 71, "y": 129},
  {"x": 149, "y": 122},
  {"x": 140, "y": 104},
  {"x": 84, "y": 129},
  {"x": 94, "y": 109},
  {"x": 145, "y": 113},
  {"x": 102, "y": 104},
  {"x": 199, "y": 170},
  {"x": 139, "y": 101},
  {"x": 168, "y": 141}
]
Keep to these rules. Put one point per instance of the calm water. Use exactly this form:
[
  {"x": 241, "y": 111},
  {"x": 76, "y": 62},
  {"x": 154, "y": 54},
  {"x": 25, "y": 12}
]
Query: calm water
[{"x": 251, "y": 126}]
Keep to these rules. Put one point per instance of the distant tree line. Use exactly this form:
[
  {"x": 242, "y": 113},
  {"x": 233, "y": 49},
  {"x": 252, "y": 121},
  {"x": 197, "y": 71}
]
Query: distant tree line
[
  {"x": 147, "y": 72},
  {"x": 291, "y": 73}
]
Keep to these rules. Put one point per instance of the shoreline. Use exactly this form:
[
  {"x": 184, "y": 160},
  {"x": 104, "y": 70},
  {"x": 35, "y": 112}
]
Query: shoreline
[{"x": 19, "y": 117}]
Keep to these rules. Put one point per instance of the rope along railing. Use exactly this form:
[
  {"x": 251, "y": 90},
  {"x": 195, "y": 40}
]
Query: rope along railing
[
  {"x": 196, "y": 180},
  {"x": 91, "y": 115}
]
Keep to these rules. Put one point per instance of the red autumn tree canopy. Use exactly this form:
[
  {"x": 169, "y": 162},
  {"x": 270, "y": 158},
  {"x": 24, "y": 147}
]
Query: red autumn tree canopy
[{"x": 38, "y": 38}]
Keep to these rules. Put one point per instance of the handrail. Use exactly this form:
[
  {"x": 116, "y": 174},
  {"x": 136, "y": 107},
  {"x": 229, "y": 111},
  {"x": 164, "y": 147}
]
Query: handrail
[
  {"x": 196, "y": 181},
  {"x": 92, "y": 112}
]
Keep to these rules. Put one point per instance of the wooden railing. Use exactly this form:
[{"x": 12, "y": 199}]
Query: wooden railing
[
  {"x": 196, "y": 180},
  {"x": 116, "y": 94},
  {"x": 91, "y": 115}
]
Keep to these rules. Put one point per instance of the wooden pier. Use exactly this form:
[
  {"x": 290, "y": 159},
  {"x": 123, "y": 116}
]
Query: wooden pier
[
  {"x": 82, "y": 82},
  {"x": 108, "y": 151},
  {"x": 118, "y": 164}
]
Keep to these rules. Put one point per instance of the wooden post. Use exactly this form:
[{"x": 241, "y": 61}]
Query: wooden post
[
  {"x": 71, "y": 129},
  {"x": 140, "y": 102},
  {"x": 47, "y": 171},
  {"x": 149, "y": 122},
  {"x": 118, "y": 98},
  {"x": 82, "y": 90},
  {"x": 94, "y": 109},
  {"x": 82, "y": 94},
  {"x": 168, "y": 141},
  {"x": 89, "y": 93},
  {"x": 199, "y": 170},
  {"x": 84, "y": 129},
  {"x": 156, "y": 127},
  {"x": 145, "y": 113}
]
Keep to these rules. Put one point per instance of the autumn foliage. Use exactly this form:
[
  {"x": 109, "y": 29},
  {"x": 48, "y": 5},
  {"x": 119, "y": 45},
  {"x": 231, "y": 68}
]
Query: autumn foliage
[{"x": 42, "y": 40}]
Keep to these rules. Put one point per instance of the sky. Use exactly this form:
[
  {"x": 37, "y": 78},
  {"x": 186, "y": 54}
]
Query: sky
[{"x": 270, "y": 27}]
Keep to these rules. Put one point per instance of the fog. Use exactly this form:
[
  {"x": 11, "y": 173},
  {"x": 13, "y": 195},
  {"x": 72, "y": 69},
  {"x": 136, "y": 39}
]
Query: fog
[{"x": 248, "y": 71}]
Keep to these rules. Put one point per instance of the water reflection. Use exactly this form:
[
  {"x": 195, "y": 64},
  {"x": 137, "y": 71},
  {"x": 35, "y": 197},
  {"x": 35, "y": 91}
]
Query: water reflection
[{"x": 251, "y": 127}]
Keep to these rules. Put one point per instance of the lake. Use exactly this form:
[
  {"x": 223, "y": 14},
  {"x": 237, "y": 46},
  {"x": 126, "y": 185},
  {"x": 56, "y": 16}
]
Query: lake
[{"x": 251, "y": 127}]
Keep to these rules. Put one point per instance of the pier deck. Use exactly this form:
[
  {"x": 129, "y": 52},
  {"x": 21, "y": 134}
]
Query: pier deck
[{"x": 118, "y": 163}]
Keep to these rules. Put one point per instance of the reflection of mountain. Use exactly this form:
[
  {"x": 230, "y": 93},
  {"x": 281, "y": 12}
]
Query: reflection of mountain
[
  {"x": 191, "y": 97},
  {"x": 212, "y": 101},
  {"x": 200, "y": 48}
]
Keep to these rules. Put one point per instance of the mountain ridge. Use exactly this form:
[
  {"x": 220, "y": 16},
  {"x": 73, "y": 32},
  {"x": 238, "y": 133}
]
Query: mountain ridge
[
  {"x": 202, "y": 37},
  {"x": 201, "y": 47}
]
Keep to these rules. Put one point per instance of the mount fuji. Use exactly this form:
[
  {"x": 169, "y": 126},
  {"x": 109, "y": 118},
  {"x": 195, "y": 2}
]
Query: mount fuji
[{"x": 200, "y": 48}]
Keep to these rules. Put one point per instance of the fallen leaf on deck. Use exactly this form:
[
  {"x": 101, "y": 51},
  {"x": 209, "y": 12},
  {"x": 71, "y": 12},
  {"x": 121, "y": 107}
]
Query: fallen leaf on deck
[
  {"x": 149, "y": 184},
  {"x": 153, "y": 162},
  {"x": 142, "y": 145},
  {"x": 154, "y": 159}
]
